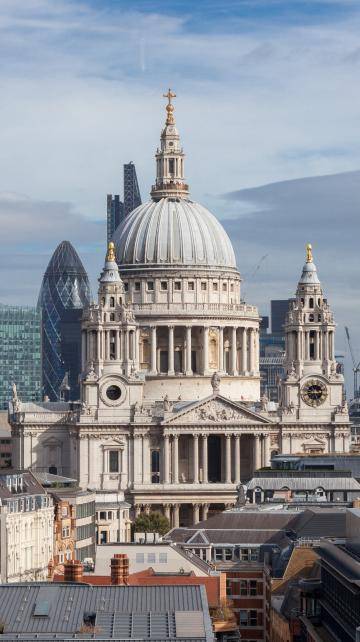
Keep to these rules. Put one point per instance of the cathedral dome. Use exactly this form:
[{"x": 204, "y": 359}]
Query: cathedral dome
[{"x": 173, "y": 232}]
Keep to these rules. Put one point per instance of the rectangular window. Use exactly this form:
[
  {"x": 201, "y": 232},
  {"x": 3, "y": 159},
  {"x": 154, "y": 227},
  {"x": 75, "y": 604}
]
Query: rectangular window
[
  {"x": 150, "y": 286},
  {"x": 215, "y": 286},
  {"x": 137, "y": 286},
  {"x": 163, "y": 285},
  {"x": 232, "y": 287},
  {"x": 254, "y": 554},
  {"x": 151, "y": 558},
  {"x": 177, "y": 285},
  {"x": 163, "y": 558},
  {"x": 171, "y": 166},
  {"x": 203, "y": 285},
  {"x": 139, "y": 559},
  {"x": 243, "y": 617},
  {"x": 228, "y": 554},
  {"x": 126, "y": 286},
  {"x": 253, "y": 587},
  {"x": 113, "y": 461},
  {"x": 228, "y": 587},
  {"x": 243, "y": 587},
  {"x": 191, "y": 285},
  {"x": 253, "y": 618},
  {"x": 102, "y": 514},
  {"x": 218, "y": 554},
  {"x": 244, "y": 554},
  {"x": 224, "y": 287}
]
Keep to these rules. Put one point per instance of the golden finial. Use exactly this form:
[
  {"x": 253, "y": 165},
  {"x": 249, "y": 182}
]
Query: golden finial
[
  {"x": 169, "y": 107},
  {"x": 309, "y": 254},
  {"x": 111, "y": 252}
]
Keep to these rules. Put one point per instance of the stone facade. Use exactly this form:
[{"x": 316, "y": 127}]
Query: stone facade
[
  {"x": 170, "y": 412},
  {"x": 26, "y": 528}
]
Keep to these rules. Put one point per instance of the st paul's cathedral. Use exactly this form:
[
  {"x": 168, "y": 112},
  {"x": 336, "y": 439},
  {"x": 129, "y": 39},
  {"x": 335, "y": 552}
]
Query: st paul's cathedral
[{"x": 170, "y": 416}]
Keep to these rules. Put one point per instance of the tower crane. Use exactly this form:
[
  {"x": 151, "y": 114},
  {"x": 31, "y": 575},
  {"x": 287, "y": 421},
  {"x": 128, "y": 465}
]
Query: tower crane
[{"x": 356, "y": 368}]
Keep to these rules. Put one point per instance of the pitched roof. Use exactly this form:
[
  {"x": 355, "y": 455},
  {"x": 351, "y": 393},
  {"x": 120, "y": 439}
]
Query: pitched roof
[{"x": 319, "y": 522}]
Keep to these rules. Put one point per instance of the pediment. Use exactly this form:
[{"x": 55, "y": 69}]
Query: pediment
[{"x": 215, "y": 409}]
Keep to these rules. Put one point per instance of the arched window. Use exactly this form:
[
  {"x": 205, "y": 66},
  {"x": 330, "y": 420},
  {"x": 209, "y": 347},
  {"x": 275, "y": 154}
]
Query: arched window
[
  {"x": 112, "y": 316},
  {"x": 311, "y": 302},
  {"x": 311, "y": 318},
  {"x": 112, "y": 302}
]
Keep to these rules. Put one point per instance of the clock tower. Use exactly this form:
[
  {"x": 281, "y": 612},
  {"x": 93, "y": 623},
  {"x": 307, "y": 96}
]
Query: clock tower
[{"x": 312, "y": 392}]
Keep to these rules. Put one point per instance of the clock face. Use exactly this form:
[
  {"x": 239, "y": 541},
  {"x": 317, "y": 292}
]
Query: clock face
[{"x": 314, "y": 392}]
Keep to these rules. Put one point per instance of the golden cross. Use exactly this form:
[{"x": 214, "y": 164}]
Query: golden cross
[{"x": 169, "y": 96}]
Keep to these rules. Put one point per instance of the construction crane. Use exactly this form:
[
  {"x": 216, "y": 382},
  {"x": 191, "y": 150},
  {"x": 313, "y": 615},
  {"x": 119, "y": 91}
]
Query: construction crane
[{"x": 356, "y": 368}]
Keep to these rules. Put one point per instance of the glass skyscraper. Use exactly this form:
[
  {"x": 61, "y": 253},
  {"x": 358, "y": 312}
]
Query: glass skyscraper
[
  {"x": 116, "y": 209},
  {"x": 132, "y": 196},
  {"x": 65, "y": 291},
  {"x": 115, "y": 214},
  {"x": 20, "y": 353}
]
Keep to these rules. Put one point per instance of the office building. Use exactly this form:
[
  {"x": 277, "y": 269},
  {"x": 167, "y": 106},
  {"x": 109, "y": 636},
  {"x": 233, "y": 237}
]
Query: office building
[
  {"x": 65, "y": 291},
  {"x": 279, "y": 310},
  {"x": 26, "y": 528},
  {"x": 115, "y": 214},
  {"x": 117, "y": 210},
  {"x": 132, "y": 197},
  {"x": 20, "y": 353}
]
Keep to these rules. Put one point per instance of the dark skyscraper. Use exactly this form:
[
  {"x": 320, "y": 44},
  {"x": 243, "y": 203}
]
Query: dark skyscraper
[
  {"x": 116, "y": 210},
  {"x": 132, "y": 197},
  {"x": 279, "y": 310},
  {"x": 115, "y": 214},
  {"x": 64, "y": 293}
]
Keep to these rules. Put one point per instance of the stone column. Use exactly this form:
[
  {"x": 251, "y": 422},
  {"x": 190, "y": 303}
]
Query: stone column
[
  {"x": 107, "y": 345},
  {"x": 266, "y": 450},
  {"x": 252, "y": 351},
  {"x": 175, "y": 459},
  {"x": 233, "y": 368},
  {"x": 146, "y": 459},
  {"x": 196, "y": 513},
  {"x": 127, "y": 346},
  {"x": 228, "y": 459},
  {"x": 299, "y": 343},
  {"x": 176, "y": 510},
  {"x": 137, "y": 459},
  {"x": 205, "y": 511},
  {"x": 188, "y": 369},
  {"x": 117, "y": 345},
  {"x": 83, "y": 350},
  {"x": 244, "y": 352},
  {"x": 205, "y": 458},
  {"x": 221, "y": 349},
  {"x": 196, "y": 459},
  {"x": 237, "y": 460},
  {"x": 137, "y": 347},
  {"x": 167, "y": 512},
  {"x": 166, "y": 461},
  {"x": 137, "y": 510},
  {"x": 206, "y": 349},
  {"x": 171, "y": 370},
  {"x": 153, "y": 369},
  {"x": 257, "y": 453},
  {"x": 98, "y": 344}
]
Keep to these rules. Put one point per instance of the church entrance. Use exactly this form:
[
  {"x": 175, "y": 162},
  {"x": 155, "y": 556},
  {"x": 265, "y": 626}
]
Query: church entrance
[{"x": 214, "y": 454}]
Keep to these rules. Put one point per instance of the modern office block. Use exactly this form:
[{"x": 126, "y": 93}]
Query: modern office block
[
  {"x": 20, "y": 353},
  {"x": 132, "y": 197}
]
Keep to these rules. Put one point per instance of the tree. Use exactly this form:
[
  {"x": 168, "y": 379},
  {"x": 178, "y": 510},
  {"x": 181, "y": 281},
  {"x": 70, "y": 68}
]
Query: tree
[{"x": 152, "y": 523}]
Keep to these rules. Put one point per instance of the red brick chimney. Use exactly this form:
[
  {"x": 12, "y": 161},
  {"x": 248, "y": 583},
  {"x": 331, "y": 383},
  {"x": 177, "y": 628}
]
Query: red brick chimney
[
  {"x": 119, "y": 568},
  {"x": 73, "y": 571}
]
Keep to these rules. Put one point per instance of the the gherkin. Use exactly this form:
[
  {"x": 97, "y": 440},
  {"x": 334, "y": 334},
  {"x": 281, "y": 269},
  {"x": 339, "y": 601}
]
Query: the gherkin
[{"x": 64, "y": 293}]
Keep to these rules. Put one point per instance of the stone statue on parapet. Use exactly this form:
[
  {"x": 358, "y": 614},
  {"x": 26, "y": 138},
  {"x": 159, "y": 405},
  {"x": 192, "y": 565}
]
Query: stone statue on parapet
[{"x": 215, "y": 382}]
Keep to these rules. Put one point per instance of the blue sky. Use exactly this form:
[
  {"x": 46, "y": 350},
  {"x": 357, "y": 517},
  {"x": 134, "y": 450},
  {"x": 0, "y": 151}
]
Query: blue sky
[{"x": 268, "y": 94}]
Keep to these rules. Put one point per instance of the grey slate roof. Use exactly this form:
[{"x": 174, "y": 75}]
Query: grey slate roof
[
  {"x": 153, "y": 613},
  {"x": 305, "y": 483},
  {"x": 319, "y": 522}
]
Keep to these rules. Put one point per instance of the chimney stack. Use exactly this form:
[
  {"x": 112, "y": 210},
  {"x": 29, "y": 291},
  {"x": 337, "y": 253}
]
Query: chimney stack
[
  {"x": 73, "y": 571},
  {"x": 119, "y": 569}
]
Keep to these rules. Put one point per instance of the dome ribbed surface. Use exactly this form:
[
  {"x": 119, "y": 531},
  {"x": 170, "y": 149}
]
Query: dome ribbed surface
[{"x": 171, "y": 232}]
